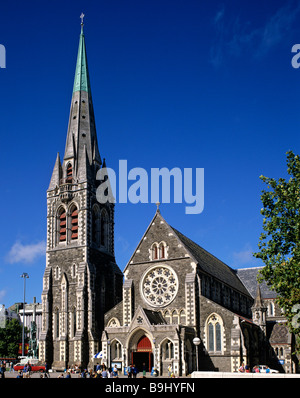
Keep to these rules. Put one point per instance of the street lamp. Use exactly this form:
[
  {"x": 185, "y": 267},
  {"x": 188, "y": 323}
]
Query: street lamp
[
  {"x": 196, "y": 342},
  {"x": 24, "y": 276}
]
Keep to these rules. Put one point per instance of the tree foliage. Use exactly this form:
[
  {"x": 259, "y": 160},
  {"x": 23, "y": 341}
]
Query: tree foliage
[
  {"x": 279, "y": 244},
  {"x": 10, "y": 337}
]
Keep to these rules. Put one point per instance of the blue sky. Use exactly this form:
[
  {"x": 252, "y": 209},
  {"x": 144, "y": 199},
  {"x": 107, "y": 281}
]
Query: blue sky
[{"x": 188, "y": 84}]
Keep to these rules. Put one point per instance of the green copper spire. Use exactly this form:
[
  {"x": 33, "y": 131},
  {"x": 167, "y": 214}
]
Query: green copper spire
[{"x": 82, "y": 80}]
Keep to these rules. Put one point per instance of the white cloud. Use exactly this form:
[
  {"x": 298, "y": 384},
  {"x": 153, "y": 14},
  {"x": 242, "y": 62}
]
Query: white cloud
[
  {"x": 2, "y": 294},
  {"x": 20, "y": 253},
  {"x": 236, "y": 37},
  {"x": 244, "y": 256}
]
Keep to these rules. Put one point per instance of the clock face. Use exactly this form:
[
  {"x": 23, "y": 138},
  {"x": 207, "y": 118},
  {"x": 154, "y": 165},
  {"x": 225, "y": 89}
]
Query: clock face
[{"x": 159, "y": 286}]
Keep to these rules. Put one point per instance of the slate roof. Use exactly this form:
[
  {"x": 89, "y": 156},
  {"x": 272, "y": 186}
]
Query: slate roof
[
  {"x": 155, "y": 317},
  {"x": 211, "y": 265},
  {"x": 248, "y": 276}
]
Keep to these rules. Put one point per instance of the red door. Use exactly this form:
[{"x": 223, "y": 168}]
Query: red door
[{"x": 143, "y": 355}]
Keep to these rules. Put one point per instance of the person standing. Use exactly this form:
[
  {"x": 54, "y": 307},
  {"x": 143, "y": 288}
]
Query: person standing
[
  {"x": 47, "y": 370},
  {"x": 2, "y": 371},
  {"x": 129, "y": 371},
  {"x": 134, "y": 371},
  {"x": 144, "y": 369}
]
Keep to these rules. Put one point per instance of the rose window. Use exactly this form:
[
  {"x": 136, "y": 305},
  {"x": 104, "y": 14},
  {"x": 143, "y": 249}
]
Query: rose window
[{"x": 159, "y": 286}]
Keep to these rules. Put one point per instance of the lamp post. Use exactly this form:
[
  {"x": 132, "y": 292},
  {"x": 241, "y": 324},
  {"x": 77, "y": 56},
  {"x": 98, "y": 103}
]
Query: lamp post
[
  {"x": 196, "y": 342},
  {"x": 24, "y": 276}
]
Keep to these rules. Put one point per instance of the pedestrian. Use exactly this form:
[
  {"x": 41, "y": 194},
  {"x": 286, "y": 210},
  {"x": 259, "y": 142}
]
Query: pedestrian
[
  {"x": 20, "y": 374},
  {"x": 98, "y": 367},
  {"x": 144, "y": 369},
  {"x": 68, "y": 376},
  {"x": 134, "y": 371},
  {"x": 114, "y": 372},
  {"x": 2, "y": 371},
  {"x": 104, "y": 373},
  {"x": 129, "y": 371},
  {"x": 170, "y": 370},
  {"x": 242, "y": 368},
  {"x": 47, "y": 370}
]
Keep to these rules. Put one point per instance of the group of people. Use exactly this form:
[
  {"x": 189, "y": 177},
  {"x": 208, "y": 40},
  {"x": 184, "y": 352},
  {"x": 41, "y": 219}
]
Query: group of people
[
  {"x": 246, "y": 369},
  {"x": 101, "y": 371},
  {"x": 132, "y": 371}
]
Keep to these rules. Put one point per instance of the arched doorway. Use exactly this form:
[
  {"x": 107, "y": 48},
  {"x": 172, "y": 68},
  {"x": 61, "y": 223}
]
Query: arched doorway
[{"x": 142, "y": 356}]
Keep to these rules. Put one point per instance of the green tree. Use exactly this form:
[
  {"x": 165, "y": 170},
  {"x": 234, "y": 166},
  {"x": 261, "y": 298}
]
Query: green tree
[
  {"x": 10, "y": 337},
  {"x": 279, "y": 244}
]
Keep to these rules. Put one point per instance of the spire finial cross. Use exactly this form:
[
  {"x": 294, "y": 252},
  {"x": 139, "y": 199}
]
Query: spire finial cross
[
  {"x": 157, "y": 205},
  {"x": 81, "y": 17}
]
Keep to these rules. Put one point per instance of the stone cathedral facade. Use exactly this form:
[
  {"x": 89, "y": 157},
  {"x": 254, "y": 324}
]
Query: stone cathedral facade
[
  {"x": 81, "y": 280},
  {"x": 174, "y": 291},
  {"x": 171, "y": 291}
]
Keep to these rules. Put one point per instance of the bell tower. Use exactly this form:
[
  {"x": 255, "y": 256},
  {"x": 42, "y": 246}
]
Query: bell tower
[{"x": 81, "y": 280}]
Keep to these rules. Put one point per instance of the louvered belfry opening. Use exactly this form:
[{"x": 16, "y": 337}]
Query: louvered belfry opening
[
  {"x": 74, "y": 223},
  {"x": 62, "y": 226},
  {"x": 69, "y": 173}
]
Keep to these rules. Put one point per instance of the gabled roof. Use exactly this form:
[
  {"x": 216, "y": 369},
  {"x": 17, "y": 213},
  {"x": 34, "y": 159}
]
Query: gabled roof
[
  {"x": 211, "y": 265},
  {"x": 207, "y": 263}
]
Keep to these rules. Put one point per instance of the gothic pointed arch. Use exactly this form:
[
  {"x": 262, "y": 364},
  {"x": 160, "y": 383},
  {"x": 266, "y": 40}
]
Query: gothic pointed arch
[
  {"x": 61, "y": 224},
  {"x": 69, "y": 173},
  {"x": 73, "y": 221},
  {"x": 104, "y": 226},
  {"x": 116, "y": 349},
  {"x": 167, "y": 349},
  {"x": 214, "y": 333},
  {"x": 96, "y": 221},
  {"x": 154, "y": 251}
]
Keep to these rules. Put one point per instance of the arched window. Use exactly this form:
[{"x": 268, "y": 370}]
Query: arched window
[
  {"x": 270, "y": 308},
  {"x": 168, "y": 350},
  {"x": 69, "y": 177},
  {"x": 74, "y": 321},
  {"x": 214, "y": 333},
  {"x": 175, "y": 317},
  {"x": 62, "y": 225},
  {"x": 104, "y": 229},
  {"x": 281, "y": 352},
  {"x": 167, "y": 317},
  {"x": 74, "y": 222},
  {"x": 57, "y": 272},
  {"x": 57, "y": 324},
  {"x": 158, "y": 251},
  {"x": 73, "y": 270},
  {"x": 116, "y": 350},
  {"x": 162, "y": 250},
  {"x": 182, "y": 317},
  {"x": 154, "y": 251},
  {"x": 96, "y": 225}
]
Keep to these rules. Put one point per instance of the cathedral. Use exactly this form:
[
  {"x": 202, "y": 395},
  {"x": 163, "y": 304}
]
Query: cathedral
[
  {"x": 81, "y": 280},
  {"x": 170, "y": 292}
]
